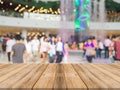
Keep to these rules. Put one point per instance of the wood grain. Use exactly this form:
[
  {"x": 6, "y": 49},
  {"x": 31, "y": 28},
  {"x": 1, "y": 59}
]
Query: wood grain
[{"x": 59, "y": 76}]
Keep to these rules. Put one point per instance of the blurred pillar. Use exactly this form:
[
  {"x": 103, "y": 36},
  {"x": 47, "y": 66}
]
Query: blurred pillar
[
  {"x": 24, "y": 33},
  {"x": 102, "y": 18},
  {"x": 95, "y": 10},
  {"x": 67, "y": 15},
  {"x": 102, "y": 13}
]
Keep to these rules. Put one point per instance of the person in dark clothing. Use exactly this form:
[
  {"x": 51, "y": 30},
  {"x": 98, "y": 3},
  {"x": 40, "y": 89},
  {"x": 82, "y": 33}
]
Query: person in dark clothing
[
  {"x": 107, "y": 43},
  {"x": 18, "y": 50},
  {"x": 59, "y": 50},
  {"x": 4, "y": 44},
  {"x": 52, "y": 50}
]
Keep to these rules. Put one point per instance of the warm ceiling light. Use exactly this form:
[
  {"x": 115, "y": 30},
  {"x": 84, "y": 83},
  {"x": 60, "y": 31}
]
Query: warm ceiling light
[
  {"x": 52, "y": 12},
  {"x": 26, "y": 6},
  {"x": 16, "y": 8},
  {"x": 21, "y": 14},
  {"x": 33, "y": 6},
  {"x": 2, "y": 2},
  {"x": 45, "y": 10},
  {"x": 41, "y": 8},
  {"x": 50, "y": 9},
  {"x": 34, "y": 11},
  {"x": 58, "y": 10},
  {"x": 11, "y": 4},
  {"x": 19, "y": 5},
  {"x": 3, "y": 11},
  {"x": 23, "y": 8},
  {"x": 31, "y": 9}
]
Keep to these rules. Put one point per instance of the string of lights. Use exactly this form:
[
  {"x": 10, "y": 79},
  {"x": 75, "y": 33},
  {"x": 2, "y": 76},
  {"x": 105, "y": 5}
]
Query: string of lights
[{"x": 25, "y": 8}]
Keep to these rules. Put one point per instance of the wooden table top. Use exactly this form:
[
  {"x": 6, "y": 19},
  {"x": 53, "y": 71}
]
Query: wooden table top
[{"x": 59, "y": 76}]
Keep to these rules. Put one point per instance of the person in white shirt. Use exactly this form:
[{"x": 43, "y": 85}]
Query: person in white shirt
[
  {"x": 35, "y": 47},
  {"x": 28, "y": 50},
  {"x": 59, "y": 50},
  {"x": 44, "y": 49},
  {"x": 107, "y": 43},
  {"x": 10, "y": 44},
  {"x": 52, "y": 50},
  {"x": 100, "y": 48},
  {"x": 41, "y": 44}
]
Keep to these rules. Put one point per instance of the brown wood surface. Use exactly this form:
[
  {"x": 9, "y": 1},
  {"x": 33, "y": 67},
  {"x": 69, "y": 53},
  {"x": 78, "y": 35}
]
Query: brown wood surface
[{"x": 59, "y": 76}]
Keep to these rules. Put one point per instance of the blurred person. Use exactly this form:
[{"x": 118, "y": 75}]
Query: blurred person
[
  {"x": 18, "y": 50},
  {"x": 94, "y": 41},
  {"x": 44, "y": 49},
  {"x": 10, "y": 44},
  {"x": 112, "y": 48},
  {"x": 0, "y": 44},
  {"x": 42, "y": 38},
  {"x": 84, "y": 48},
  {"x": 107, "y": 43},
  {"x": 74, "y": 46},
  {"x": 81, "y": 45},
  {"x": 49, "y": 38},
  {"x": 4, "y": 44},
  {"x": 7, "y": 37},
  {"x": 59, "y": 50},
  {"x": 117, "y": 48},
  {"x": 41, "y": 41},
  {"x": 90, "y": 50},
  {"x": 52, "y": 50},
  {"x": 28, "y": 50},
  {"x": 35, "y": 47},
  {"x": 66, "y": 53},
  {"x": 100, "y": 48}
]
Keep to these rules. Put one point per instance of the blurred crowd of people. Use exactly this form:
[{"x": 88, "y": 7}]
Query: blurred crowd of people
[
  {"x": 48, "y": 48},
  {"x": 93, "y": 48},
  {"x": 52, "y": 49}
]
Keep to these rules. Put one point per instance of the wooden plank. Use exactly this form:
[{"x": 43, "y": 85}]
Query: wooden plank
[
  {"x": 91, "y": 81},
  {"x": 8, "y": 69},
  {"x": 28, "y": 81},
  {"x": 60, "y": 76},
  {"x": 60, "y": 82},
  {"x": 8, "y": 83},
  {"x": 73, "y": 81},
  {"x": 116, "y": 66},
  {"x": 16, "y": 70},
  {"x": 111, "y": 69},
  {"x": 109, "y": 74},
  {"x": 46, "y": 81},
  {"x": 108, "y": 81},
  {"x": 4, "y": 66}
]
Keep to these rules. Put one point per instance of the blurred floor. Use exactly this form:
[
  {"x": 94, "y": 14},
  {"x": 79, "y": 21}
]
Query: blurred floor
[{"x": 74, "y": 57}]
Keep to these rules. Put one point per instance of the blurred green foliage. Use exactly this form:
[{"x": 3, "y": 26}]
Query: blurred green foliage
[
  {"x": 112, "y": 6},
  {"x": 54, "y": 5}
]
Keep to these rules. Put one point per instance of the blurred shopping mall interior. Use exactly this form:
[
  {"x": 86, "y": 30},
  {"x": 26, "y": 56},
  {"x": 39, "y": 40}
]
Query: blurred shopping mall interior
[{"x": 97, "y": 17}]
